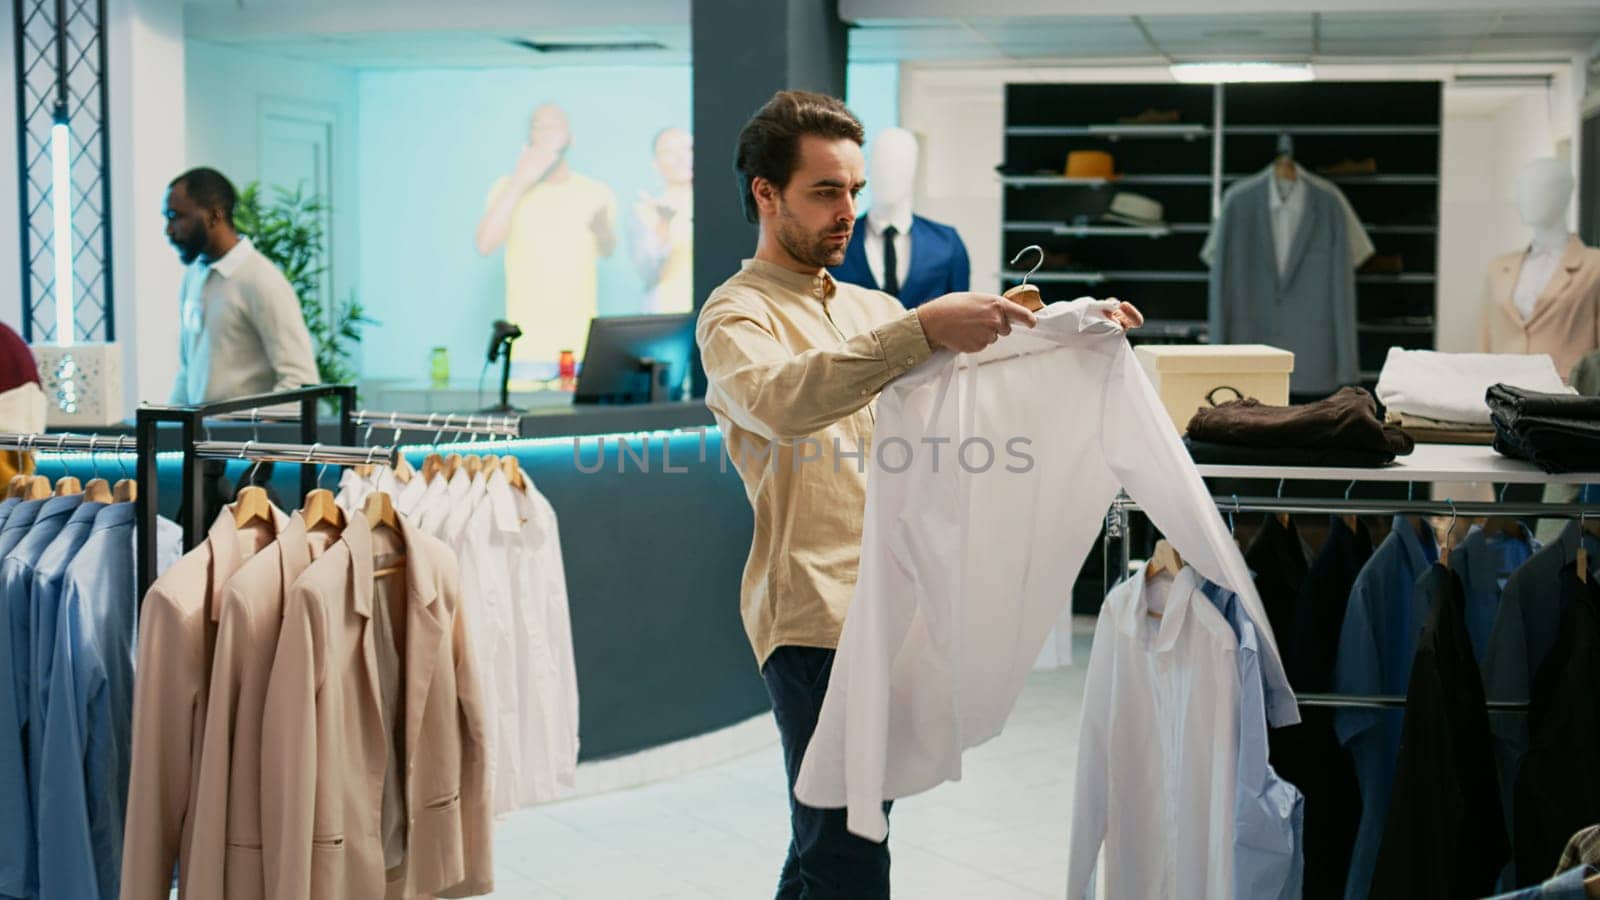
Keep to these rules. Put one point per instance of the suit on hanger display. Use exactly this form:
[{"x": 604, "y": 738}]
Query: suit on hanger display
[
  {"x": 1544, "y": 298},
  {"x": 918, "y": 259},
  {"x": 1283, "y": 255}
]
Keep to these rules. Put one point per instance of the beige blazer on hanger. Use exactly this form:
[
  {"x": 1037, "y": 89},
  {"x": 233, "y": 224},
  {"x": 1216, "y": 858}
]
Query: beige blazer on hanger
[
  {"x": 324, "y": 748},
  {"x": 226, "y": 850},
  {"x": 176, "y": 635},
  {"x": 1566, "y": 318}
]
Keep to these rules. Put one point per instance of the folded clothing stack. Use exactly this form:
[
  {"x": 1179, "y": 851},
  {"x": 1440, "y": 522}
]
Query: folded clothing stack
[
  {"x": 1558, "y": 432},
  {"x": 1438, "y": 397},
  {"x": 1340, "y": 430}
]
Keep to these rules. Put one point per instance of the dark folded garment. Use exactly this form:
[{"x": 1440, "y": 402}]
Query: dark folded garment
[
  {"x": 1204, "y": 452},
  {"x": 1556, "y": 432},
  {"x": 1515, "y": 402},
  {"x": 1347, "y": 420}
]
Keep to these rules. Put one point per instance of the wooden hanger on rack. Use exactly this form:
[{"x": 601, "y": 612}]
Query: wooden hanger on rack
[
  {"x": 452, "y": 464},
  {"x": 249, "y": 504},
  {"x": 473, "y": 464},
  {"x": 513, "y": 471},
  {"x": 403, "y": 472},
  {"x": 319, "y": 511},
  {"x": 1164, "y": 560},
  {"x": 126, "y": 490},
  {"x": 67, "y": 485},
  {"x": 38, "y": 488},
  {"x": 97, "y": 490},
  {"x": 19, "y": 486},
  {"x": 1283, "y": 164},
  {"x": 432, "y": 465},
  {"x": 379, "y": 510},
  {"x": 1449, "y": 539}
]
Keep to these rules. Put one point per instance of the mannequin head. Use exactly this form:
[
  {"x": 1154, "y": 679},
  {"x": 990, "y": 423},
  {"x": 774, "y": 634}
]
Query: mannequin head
[
  {"x": 675, "y": 156},
  {"x": 1544, "y": 189},
  {"x": 893, "y": 175}
]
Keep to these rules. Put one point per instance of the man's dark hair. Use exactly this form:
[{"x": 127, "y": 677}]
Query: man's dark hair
[
  {"x": 209, "y": 189},
  {"x": 769, "y": 144}
]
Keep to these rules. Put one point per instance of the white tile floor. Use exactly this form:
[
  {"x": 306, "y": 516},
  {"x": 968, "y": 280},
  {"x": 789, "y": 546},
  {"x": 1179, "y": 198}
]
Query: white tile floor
[{"x": 999, "y": 833}]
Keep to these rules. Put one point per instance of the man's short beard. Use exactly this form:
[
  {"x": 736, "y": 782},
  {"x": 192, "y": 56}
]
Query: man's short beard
[{"x": 800, "y": 244}]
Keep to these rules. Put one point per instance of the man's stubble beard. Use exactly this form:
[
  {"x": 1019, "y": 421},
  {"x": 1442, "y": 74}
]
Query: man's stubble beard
[{"x": 807, "y": 249}]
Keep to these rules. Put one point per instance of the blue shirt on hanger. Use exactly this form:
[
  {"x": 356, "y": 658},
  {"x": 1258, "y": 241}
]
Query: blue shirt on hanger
[
  {"x": 28, "y": 531},
  {"x": 48, "y": 575},
  {"x": 88, "y": 732},
  {"x": 1376, "y": 644},
  {"x": 1268, "y": 813},
  {"x": 1484, "y": 561}
]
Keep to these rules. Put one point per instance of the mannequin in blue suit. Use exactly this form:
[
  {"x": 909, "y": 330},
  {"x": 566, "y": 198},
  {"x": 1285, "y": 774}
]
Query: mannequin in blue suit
[{"x": 937, "y": 262}]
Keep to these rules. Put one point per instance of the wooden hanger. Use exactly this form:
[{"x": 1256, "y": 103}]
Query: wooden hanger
[
  {"x": 403, "y": 471},
  {"x": 513, "y": 471},
  {"x": 249, "y": 504},
  {"x": 1164, "y": 560},
  {"x": 1449, "y": 539},
  {"x": 452, "y": 464},
  {"x": 126, "y": 490},
  {"x": 474, "y": 465},
  {"x": 98, "y": 490},
  {"x": 319, "y": 511},
  {"x": 19, "y": 486},
  {"x": 1026, "y": 294},
  {"x": 67, "y": 485},
  {"x": 432, "y": 465},
  {"x": 38, "y": 488},
  {"x": 379, "y": 510}
]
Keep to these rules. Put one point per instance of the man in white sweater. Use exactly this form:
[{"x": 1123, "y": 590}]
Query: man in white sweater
[{"x": 242, "y": 330}]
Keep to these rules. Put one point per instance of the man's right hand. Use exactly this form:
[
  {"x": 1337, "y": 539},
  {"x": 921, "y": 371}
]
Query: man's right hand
[
  {"x": 532, "y": 165},
  {"x": 968, "y": 322}
]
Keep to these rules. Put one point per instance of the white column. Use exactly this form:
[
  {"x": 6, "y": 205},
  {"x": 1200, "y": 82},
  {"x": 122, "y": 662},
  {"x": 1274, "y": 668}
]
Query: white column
[{"x": 145, "y": 80}]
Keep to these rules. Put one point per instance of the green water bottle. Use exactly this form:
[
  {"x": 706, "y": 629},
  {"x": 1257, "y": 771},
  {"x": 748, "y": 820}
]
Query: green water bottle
[{"x": 440, "y": 369}]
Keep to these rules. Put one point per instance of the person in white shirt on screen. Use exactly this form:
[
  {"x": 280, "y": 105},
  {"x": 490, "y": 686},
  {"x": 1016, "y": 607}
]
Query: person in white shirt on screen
[{"x": 242, "y": 329}]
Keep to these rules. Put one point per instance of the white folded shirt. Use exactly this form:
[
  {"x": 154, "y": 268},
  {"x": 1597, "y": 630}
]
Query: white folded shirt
[{"x": 1450, "y": 386}]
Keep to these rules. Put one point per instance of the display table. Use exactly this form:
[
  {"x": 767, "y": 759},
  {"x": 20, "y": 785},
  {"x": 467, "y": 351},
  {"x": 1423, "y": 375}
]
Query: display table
[{"x": 1428, "y": 462}]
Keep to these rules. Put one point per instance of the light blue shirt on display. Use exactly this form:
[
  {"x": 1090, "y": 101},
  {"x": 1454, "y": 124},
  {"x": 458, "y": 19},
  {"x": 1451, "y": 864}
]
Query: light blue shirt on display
[
  {"x": 1269, "y": 813},
  {"x": 88, "y": 732}
]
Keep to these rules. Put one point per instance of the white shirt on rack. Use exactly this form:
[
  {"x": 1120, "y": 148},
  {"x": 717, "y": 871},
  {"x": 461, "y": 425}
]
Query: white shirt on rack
[
  {"x": 965, "y": 566},
  {"x": 872, "y": 245},
  {"x": 1158, "y": 746}
]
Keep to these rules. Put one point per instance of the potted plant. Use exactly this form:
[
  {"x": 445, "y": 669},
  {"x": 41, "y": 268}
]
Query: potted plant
[{"x": 288, "y": 229}]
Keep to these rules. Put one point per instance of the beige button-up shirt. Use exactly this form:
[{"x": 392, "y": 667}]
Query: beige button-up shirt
[{"x": 794, "y": 362}]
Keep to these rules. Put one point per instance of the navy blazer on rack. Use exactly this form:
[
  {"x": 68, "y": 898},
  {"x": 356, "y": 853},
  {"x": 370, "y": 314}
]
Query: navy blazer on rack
[{"x": 939, "y": 263}]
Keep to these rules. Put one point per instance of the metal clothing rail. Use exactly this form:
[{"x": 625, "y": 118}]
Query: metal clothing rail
[
  {"x": 1117, "y": 528},
  {"x": 190, "y": 421},
  {"x": 324, "y": 454},
  {"x": 439, "y": 423},
  {"x": 60, "y": 443}
]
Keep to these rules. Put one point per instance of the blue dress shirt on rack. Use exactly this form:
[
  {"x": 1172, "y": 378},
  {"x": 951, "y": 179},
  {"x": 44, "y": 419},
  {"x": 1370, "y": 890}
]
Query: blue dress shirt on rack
[
  {"x": 88, "y": 730},
  {"x": 27, "y": 533},
  {"x": 1376, "y": 644},
  {"x": 1269, "y": 813},
  {"x": 1484, "y": 560}
]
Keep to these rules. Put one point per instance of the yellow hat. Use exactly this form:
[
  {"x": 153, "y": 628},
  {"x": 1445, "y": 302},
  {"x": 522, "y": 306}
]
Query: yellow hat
[{"x": 1090, "y": 164}]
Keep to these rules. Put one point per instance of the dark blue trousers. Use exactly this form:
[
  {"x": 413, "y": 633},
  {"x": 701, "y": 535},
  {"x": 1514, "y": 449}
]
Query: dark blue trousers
[{"x": 825, "y": 860}]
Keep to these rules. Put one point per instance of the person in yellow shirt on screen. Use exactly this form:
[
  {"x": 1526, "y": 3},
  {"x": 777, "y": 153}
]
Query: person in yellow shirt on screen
[
  {"x": 663, "y": 246},
  {"x": 555, "y": 225}
]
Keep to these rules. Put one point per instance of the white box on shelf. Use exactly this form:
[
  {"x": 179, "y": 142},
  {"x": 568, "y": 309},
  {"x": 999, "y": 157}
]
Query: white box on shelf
[
  {"x": 1189, "y": 376},
  {"x": 82, "y": 383}
]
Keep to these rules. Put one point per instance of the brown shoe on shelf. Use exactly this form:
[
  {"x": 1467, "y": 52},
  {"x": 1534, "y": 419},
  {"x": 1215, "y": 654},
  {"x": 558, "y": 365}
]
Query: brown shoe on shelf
[
  {"x": 1151, "y": 117},
  {"x": 1384, "y": 264},
  {"x": 1368, "y": 166}
]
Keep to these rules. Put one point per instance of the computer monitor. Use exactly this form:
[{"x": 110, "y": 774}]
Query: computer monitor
[{"x": 636, "y": 359}]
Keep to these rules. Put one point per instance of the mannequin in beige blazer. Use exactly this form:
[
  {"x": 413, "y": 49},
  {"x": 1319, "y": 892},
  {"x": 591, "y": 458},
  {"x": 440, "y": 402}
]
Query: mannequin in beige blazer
[
  {"x": 1566, "y": 317},
  {"x": 225, "y": 855},
  {"x": 326, "y": 747},
  {"x": 176, "y": 633}
]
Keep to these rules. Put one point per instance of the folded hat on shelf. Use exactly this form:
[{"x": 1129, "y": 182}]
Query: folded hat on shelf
[
  {"x": 1090, "y": 164},
  {"x": 1450, "y": 386},
  {"x": 1135, "y": 209},
  {"x": 1367, "y": 166},
  {"x": 1346, "y": 420},
  {"x": 1558, "y": 432}
]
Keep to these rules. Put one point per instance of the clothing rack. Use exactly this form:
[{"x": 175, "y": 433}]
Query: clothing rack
[
  {"x": 1117, "y": 526},
  {"x": 60, "y": 443},
  {"x": 190, "y": 421}
]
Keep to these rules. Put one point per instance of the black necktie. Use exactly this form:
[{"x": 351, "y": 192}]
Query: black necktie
[{"x": 891, "y": 265}]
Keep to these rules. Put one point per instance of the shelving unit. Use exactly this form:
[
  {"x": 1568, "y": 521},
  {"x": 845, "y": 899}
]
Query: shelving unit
[{"x": 1225, "y": 133}]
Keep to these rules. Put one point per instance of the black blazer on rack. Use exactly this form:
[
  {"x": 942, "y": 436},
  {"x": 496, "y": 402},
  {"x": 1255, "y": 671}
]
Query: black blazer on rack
[
  {"x": 1558, "y": 787},
  {"x": 1445, "y": 834}
]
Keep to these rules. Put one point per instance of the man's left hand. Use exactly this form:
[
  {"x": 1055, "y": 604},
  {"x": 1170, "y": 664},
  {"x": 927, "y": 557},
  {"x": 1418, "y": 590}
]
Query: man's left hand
[{"x": 1125, "y": 315}]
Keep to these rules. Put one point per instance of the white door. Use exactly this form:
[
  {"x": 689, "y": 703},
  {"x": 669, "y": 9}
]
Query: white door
[{"x": 297, "y": 153}]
